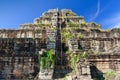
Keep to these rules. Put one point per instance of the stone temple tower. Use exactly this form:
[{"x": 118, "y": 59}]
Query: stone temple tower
[{"x": 62, "y": 31}]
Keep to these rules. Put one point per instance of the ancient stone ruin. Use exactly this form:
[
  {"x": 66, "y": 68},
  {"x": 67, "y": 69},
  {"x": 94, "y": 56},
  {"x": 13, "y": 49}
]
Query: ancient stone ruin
[{"x": 94, "y": 51}]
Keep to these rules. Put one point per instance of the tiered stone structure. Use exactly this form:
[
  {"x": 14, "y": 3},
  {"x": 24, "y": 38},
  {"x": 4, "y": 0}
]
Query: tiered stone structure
[{"x": 46, "y": 33}]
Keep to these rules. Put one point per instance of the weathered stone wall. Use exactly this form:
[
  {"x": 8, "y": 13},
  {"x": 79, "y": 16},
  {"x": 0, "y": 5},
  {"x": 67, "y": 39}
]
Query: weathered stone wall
[
  {"x": 99, "y": 44},
  {"x": 100, "y": 41},
  {"x": 102, "y": 63},
  {"x": 98, "y": 33},
  {"x": 12, "y": 67},
  {"x": 12, "y": 46},
  {"x": 23, "y": 33}
]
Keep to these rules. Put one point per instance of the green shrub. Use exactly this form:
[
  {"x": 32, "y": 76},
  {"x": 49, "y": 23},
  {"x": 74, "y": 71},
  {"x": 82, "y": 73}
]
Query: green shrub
[{"x": 47, "y": 60}]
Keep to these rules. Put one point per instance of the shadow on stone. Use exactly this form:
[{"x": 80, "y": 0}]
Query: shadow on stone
[
  {"x": 96, "y": 74},
  {"x": 61, "y": 72}
]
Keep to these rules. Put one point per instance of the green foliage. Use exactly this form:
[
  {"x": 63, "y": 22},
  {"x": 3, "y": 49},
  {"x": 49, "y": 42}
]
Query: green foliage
[
  {"x": 83, "y": 24},
  {"x": 75, "y": 58},
  {"x": 98, "y": 26},
  {"x": 30, "y": 79},
  {"x": 110, "y": 75},
  {"x": 66, "y": 35},
  {"x": 47, "y": 60},
  {"x": 71, "y": 24},
  {"x": 75, "y": 28},
  {"x": 71, "y": 13},
  {"x": 43, "y": 25},
  {"x": 90, "y": 51},
  {"x": 84, "y": 55},
  {"x": 79, "y": 35},
  {"x": 40, "y": 24},
  {"x": 39, "y": 59},
  {"x": 52, "y": 29}
]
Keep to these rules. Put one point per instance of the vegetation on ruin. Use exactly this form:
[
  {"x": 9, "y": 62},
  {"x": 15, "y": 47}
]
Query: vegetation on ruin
[
  {"x": 90, "y": 51},
  {"x": 75, "y": 58},
  {"x": 43, "y": 25},
  {"x": 108, "y": 30},
  {"x": 71, "y": 14},
  {"x": 71, "y": 24},
  {"x": 66, "y": 35},
  {"x": 46, "y": 60},
  {"x": 110, "y": 75},
  {"x": 98, "y": 26},
  {"x": 79, "y": 35},
  {"x": 46, "y": 16},
  {"x": 75, "y": 28},
  {"x": 83, "y": 24},
  {"x": 52, "y": 29}
]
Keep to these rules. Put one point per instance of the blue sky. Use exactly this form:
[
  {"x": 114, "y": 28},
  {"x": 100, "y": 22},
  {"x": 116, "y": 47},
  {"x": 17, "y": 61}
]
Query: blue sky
[{"x": 16, "y": 12}]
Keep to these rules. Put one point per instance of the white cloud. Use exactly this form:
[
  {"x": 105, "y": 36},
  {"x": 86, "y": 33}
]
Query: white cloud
[
  {"x": 116, "y": 26},
  {"x": 113, "y": 21},
  {"x": 97, "y": 12}
]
